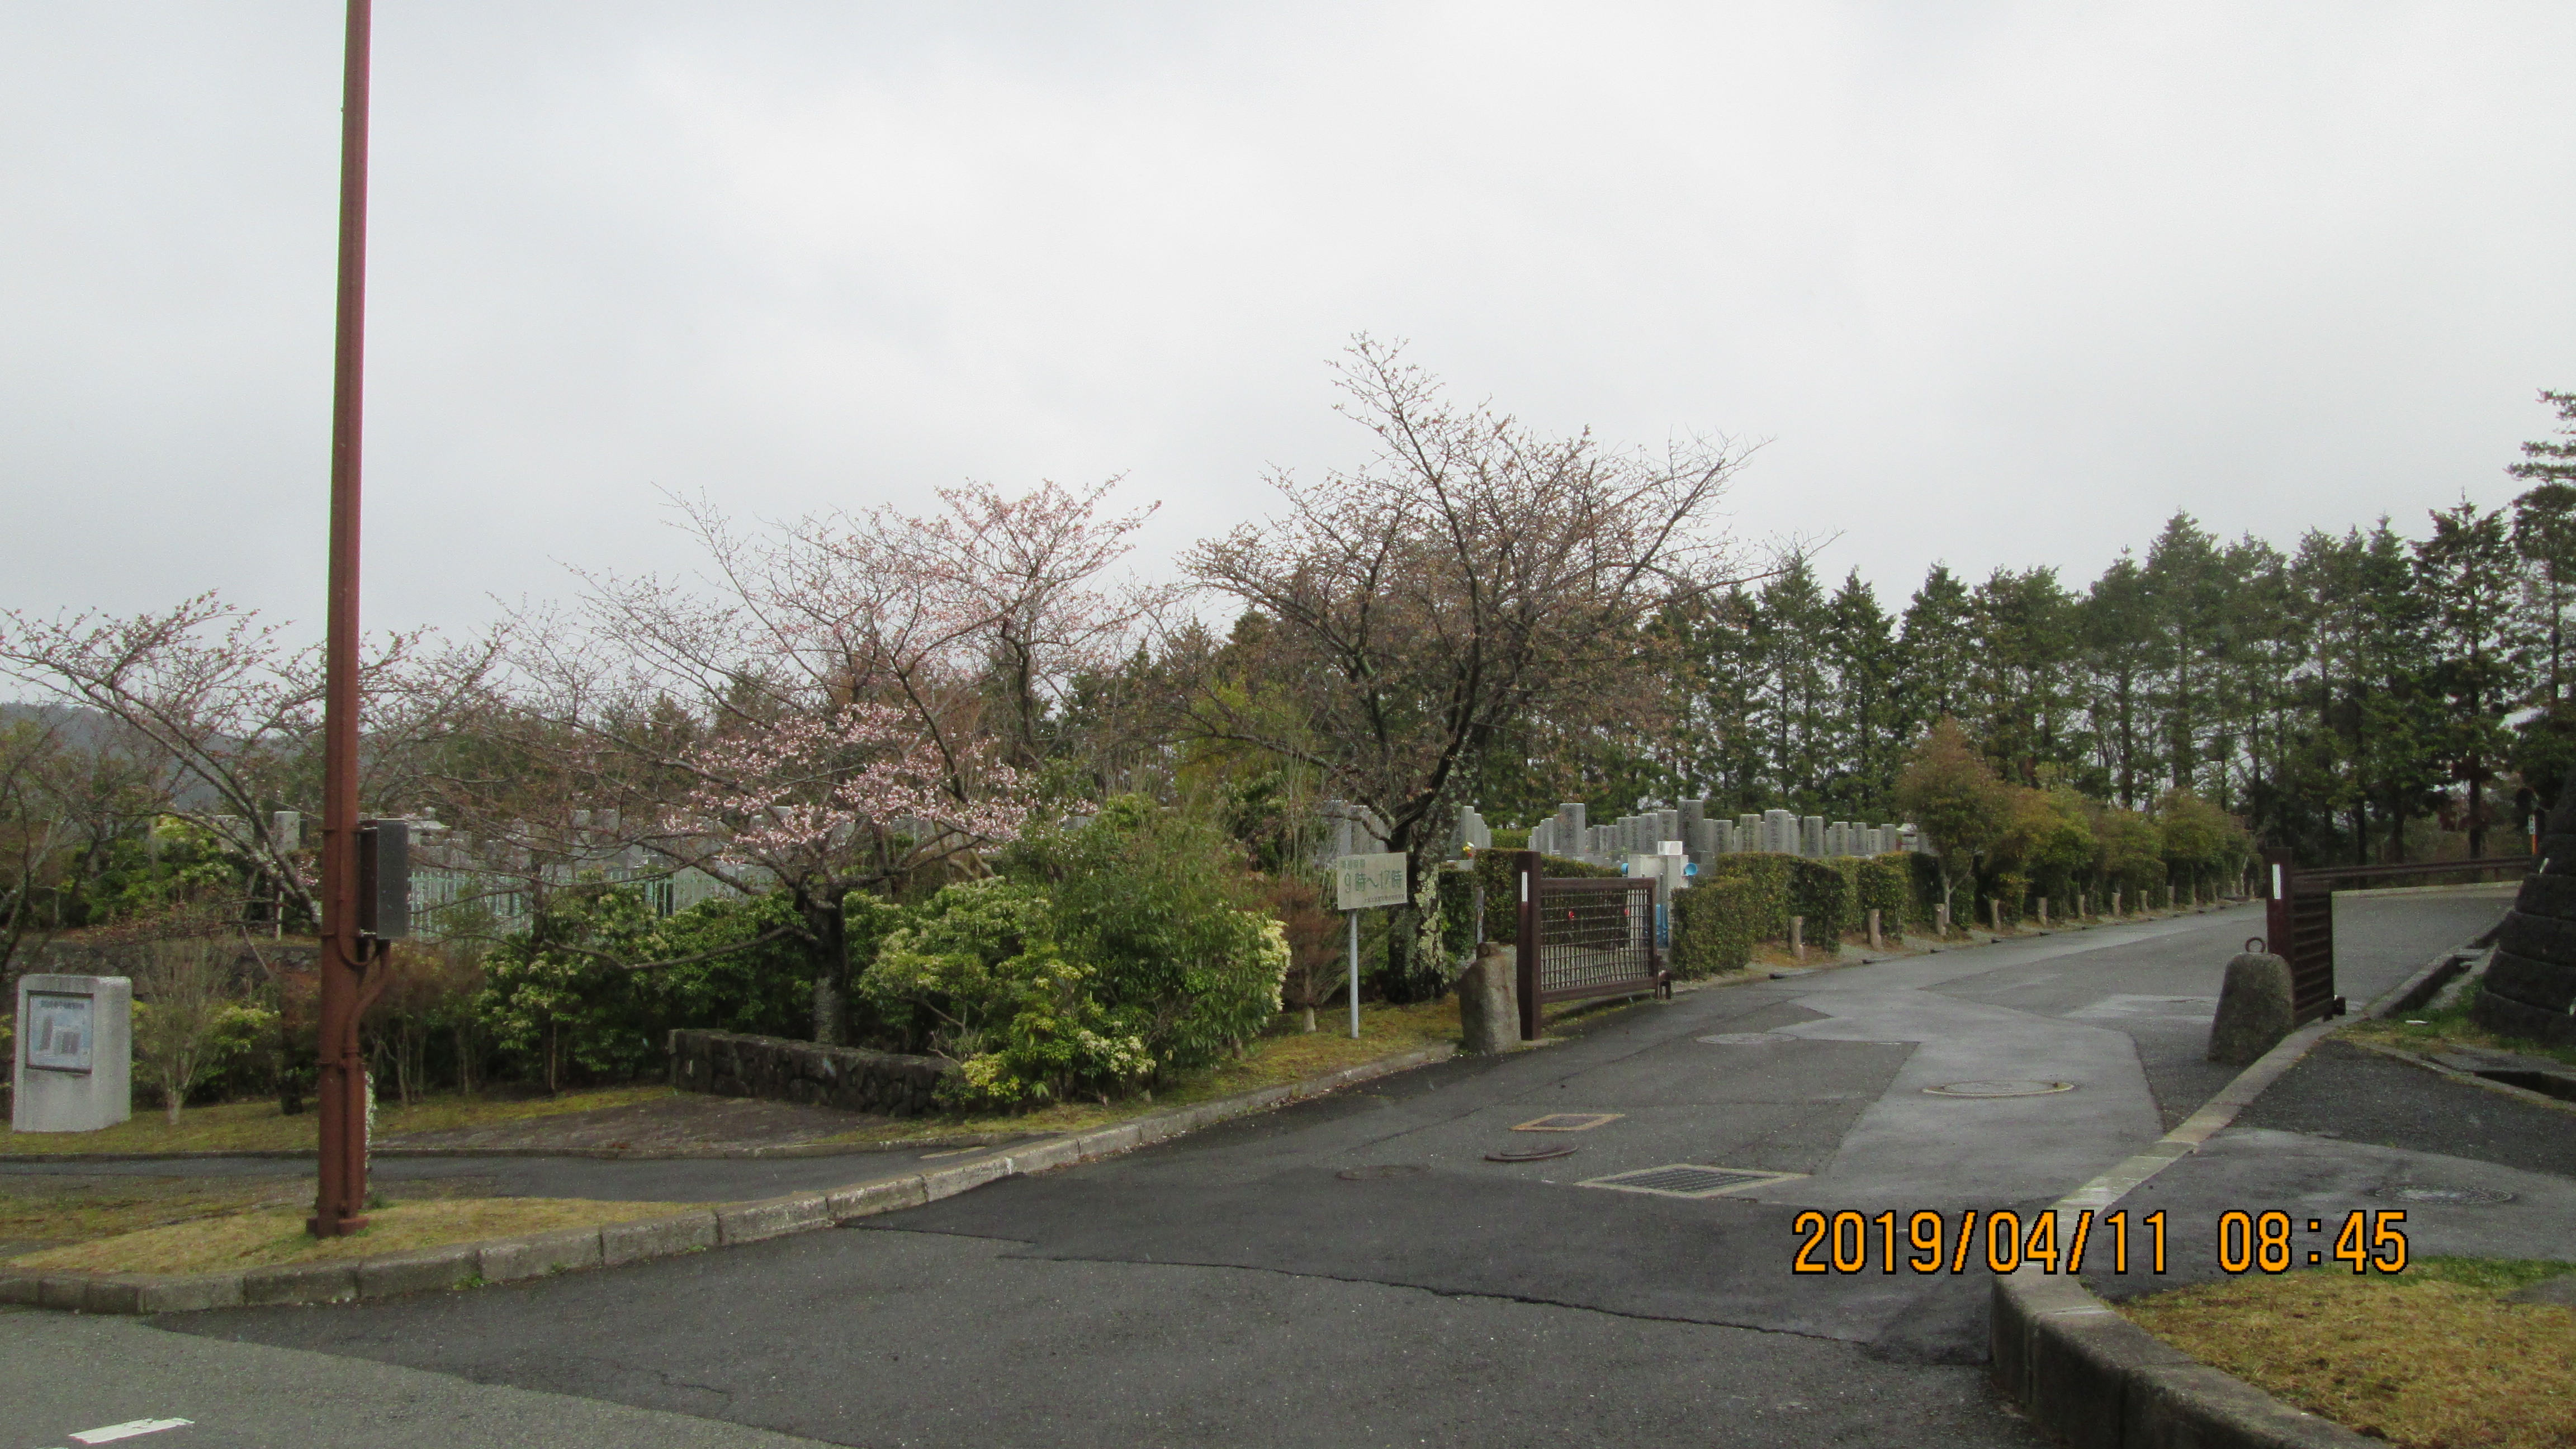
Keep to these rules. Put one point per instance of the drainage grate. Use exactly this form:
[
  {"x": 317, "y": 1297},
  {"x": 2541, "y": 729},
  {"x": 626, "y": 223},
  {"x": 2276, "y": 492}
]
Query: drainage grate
[
  {"x": 2452, "y": 1196},
  {"x": 1999, "y": 1089},
  {"x": 1747, "y": 1038},
  {"x": 1568, "y": 1121},
  {"x": 1687, "y": 1179}
]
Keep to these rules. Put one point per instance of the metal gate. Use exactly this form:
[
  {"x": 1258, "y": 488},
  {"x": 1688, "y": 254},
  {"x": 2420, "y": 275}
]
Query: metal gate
[
  {"x": 2298, "y": 917},
  {"x": 1582, "y": 938}
]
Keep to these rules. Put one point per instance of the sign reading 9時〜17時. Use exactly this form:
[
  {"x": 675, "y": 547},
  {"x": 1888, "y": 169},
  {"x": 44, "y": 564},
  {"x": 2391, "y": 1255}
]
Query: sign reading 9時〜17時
[{"x": 1364, "y": 881}]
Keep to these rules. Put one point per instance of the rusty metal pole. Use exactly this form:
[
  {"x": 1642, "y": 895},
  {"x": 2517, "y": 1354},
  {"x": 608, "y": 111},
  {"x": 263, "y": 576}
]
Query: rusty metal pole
[{"x": 341, "y": 1095}]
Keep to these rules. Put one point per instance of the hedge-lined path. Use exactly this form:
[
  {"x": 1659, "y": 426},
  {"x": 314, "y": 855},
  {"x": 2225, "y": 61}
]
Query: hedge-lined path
[{"x": 1233, "y": 1287}]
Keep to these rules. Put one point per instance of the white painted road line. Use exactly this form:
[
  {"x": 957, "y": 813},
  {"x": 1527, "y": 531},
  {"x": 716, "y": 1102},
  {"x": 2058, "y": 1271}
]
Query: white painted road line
[{"x": 114, "y": 1432}]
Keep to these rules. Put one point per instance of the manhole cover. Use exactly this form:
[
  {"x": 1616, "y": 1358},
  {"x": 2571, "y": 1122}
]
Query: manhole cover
[
  {"x": 1534, "y": 1154},
  {"x": 1568, "y": 1121},
  {"x": 1747, "y": 1038},
  {"x": 1388, "y": 1169},
  {"x": 1688, "y": 1179},
  {"x": 1999, "y": 1089},
  {"x": 2409, "y": 1192}
]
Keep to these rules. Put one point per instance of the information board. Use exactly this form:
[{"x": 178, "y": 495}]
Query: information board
[
  {"x": 1369, "y": 880},
  {"x": 59, "y": 1038}
]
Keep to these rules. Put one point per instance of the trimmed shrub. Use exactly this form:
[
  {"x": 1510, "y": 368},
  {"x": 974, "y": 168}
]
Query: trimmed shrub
[
  {"x": 1885, "y": 884},
  {"x": 1777, "y": 887},
  {"x": 1715, "y": 925}
]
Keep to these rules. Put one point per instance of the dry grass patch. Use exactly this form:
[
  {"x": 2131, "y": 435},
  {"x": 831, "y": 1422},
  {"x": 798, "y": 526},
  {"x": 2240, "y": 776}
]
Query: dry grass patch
[
  {"x": 80, "y": 1209},
  {"x": 276, "y": 1235},
  {"x": 2432, "y": 1358},
  {"x": 2433, "y": 1032},
  {"x": 259, "y": 1127}
]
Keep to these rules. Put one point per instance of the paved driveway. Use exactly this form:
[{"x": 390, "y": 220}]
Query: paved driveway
[{"x": 1355, "y": 1270}]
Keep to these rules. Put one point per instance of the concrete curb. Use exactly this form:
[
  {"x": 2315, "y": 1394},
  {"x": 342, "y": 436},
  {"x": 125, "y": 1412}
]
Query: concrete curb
[
  {"x": 610, "y": 1154},
  {"x": 2097, "y": 1381},
  {"x": 537, "y": 1255},
  {"x": 2502, "y": 1089}
]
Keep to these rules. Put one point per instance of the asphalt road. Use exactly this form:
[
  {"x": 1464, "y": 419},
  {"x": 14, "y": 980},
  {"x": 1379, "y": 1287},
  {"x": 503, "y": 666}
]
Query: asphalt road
[{"x": 1354, "y": 1271}]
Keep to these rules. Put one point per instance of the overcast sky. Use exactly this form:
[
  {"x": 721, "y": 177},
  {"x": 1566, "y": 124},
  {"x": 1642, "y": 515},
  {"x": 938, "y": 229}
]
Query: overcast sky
[{"x": 2000, "y": 284}]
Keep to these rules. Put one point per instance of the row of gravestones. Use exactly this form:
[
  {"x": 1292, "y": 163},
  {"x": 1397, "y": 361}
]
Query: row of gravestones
[
  {"x": 1570, "y": 833},
  {"x": 1357, "y": 830}
]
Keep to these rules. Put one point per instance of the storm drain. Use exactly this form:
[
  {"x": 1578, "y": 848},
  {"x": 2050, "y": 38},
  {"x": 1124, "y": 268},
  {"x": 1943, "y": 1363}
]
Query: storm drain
[
  {"x": 1568, "y": 1121},
  {"x": 2449, "y": 1196},
  {"x": 1685, "y": 1179},
  {"x": 1999, "y": 1089}
]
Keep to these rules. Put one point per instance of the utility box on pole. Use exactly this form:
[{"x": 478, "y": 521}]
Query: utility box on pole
[{"x": 73, "y": 1070}]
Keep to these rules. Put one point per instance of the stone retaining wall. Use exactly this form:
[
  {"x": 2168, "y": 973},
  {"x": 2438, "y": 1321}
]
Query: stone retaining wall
[{"x": 729, "y": 1064}]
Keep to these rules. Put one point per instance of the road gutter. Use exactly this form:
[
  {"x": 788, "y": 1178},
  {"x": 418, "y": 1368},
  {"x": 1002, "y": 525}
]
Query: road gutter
[
  {"x": 2097, "y": 1381},
  {"x": 536, "y": 1255}
]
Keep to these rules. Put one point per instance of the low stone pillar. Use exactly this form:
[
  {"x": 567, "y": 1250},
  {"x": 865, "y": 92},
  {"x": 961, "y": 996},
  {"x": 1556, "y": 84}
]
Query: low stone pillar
[
  {"x": 74, "y": 1053},
  {"x": 2254, "y": 1009},
  {"x": 1798, "y": 937},
  {"x": 1875, "y": 942},
  {"x": 1489, "y": 1017},
  {"x": 2043, "y": 913}
]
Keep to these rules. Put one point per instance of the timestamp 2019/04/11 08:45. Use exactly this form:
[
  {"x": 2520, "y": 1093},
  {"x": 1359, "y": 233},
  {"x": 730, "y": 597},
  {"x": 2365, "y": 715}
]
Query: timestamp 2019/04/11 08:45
[{"x": 1999, "y": 1242}]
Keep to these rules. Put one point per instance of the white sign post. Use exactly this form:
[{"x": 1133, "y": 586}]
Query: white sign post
[{"x": 1365, "y": 881}]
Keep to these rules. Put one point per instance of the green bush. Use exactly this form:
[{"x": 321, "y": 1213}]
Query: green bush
[
  {"x": 1157, "y": 906},
  {"x": 980, "y": 977},
  {"x": 557, "y": 998}
]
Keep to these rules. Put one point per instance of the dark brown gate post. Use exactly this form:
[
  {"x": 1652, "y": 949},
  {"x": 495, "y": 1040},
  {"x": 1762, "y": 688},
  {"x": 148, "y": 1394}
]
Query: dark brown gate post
[
  {"x": 2277, "y": 926},
  {"x": 1525, "y": 873}
]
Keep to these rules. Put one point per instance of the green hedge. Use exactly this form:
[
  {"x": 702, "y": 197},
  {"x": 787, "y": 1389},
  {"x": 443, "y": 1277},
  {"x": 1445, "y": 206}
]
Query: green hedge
[
  {"x": 1751, "y": 898},
  {"x": 1715, "y": 925},
  {"x": 1502, "y": 894},
  {"x": 1885, "y": 884}
]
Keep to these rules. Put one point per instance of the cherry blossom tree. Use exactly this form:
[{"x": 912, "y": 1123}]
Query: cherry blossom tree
[
  {"x": 838, "y": 704},
  {"x": 227, "y": 711},
  {"x": 1475, "y": 574}
]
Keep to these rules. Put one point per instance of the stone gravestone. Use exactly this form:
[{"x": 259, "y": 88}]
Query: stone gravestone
[
  {"x": 2254, "y": 1009},
  {"x": 73, "y": 1067}
]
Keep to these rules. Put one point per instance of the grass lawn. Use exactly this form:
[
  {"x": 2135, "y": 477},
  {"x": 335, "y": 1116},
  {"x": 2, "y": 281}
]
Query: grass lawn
[
  {"x": 2428, "y": 1032},
  {"x": 258, "y": 1126},
  {"x": 276, "y": 1235},
  {"x": 2430, "y": 1358}
]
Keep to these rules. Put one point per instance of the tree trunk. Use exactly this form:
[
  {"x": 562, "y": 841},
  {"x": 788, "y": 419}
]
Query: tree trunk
[{"x": 828, "y": 947}]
